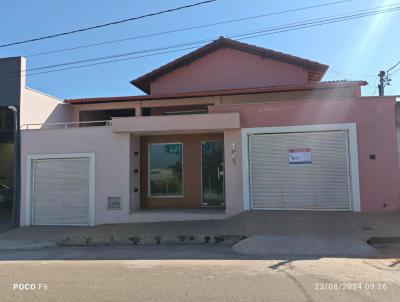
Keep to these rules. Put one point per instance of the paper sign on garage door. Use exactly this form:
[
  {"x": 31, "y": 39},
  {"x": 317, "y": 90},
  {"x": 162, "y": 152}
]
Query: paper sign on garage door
[{"x": 300, "y": 156}]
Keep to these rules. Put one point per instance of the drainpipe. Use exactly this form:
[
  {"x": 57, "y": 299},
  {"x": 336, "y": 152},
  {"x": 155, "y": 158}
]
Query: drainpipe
[{"x": 15, "y": 219}]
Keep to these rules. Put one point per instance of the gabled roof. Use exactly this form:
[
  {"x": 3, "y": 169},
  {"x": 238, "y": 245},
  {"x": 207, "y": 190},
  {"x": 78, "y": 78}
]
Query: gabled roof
[
  {"x": 257, "y": 90},
  {"x": 316, "y": 70}
]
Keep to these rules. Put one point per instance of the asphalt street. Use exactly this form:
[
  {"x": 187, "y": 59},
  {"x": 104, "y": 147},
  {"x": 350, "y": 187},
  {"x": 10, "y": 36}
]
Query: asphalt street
[{"x": 191, "y": 273}]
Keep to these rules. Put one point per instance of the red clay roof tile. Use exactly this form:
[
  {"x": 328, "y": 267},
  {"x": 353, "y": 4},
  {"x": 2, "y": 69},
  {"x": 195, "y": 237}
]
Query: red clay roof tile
[{"x": 256, "y": 90}]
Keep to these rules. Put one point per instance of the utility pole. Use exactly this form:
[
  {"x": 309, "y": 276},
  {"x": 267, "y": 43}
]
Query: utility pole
[{"x": 381, "y": 86}]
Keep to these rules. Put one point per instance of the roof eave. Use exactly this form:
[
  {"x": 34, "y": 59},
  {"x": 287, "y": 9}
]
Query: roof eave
[
  {"x": 143, "y": 82},
  {"x": 144, "y": 86},
  {"x": 309, "y": 86}
]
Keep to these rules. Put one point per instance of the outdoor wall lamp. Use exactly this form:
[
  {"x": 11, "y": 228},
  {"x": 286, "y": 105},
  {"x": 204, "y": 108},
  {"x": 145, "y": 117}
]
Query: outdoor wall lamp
[{"x": 13, "y": 108}]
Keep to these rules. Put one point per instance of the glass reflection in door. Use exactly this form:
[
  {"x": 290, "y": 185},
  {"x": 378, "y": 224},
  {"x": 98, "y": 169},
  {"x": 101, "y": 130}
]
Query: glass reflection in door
[{"x": 212, "y": 162}]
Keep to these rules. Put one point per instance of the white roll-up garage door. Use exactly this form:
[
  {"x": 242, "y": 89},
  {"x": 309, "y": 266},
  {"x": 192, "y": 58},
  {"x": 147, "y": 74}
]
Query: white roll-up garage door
[
  {"x": 60, "y": 191},
  {"x": 307, "y": 170}
]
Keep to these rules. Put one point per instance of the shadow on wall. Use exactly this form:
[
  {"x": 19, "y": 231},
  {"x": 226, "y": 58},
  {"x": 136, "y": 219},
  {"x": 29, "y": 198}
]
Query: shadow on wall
[{"x": 62, "y": 113}]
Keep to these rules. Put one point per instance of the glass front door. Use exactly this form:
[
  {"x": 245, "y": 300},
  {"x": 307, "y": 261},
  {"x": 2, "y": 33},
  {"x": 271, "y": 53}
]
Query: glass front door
[{"x": 212, "y": 162}]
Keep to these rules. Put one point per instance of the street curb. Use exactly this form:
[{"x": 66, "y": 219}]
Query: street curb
[
  {"x": 148, "y": 240},
  {"x": 97, "y": 241}
]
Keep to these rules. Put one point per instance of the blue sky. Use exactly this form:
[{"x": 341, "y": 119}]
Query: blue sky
[{"x": 355, "y": 50}]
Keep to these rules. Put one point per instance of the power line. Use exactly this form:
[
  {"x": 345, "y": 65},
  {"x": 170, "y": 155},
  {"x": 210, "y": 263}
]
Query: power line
[
  {"x": 394, "y": 72},
  {"x": 121, "y": 55},
  {"x": 351, "y": 75},
  {"x": 394, "y": 79},
  {"x": 321, "y": 21},
  {"x": 112, "y": 61},
  {"x": 395, "y": 86},
  {"x": 252, "y": 36},
  {"x": 260, "y": 32},
  {"x": 189, "y": 28},
  {"x": 376, "y": 86},
  {"x": 274, "y": 30},
  {"x": 386, "y": 78},
  {"x": 394, "y": 66},
  {"x": 108, "y": 24}
]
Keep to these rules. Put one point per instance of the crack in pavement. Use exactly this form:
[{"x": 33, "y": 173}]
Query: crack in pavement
[
  {"x": 392, "y": 267},
  {"x": 299, "y": 286}
]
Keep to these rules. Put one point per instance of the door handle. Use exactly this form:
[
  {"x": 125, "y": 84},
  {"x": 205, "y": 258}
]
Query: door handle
[{"x": 220, "y": 172}]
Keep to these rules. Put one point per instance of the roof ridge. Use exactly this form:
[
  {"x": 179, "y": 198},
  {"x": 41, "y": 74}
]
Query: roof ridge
[{"x": 143, "y": 82}]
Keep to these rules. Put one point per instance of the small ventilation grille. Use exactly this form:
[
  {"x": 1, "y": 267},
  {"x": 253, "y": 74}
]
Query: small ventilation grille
[{"x": 114, "y": 203}]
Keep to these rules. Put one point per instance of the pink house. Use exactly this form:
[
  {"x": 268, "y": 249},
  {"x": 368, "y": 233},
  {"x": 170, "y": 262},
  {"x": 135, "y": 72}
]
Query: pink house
[{"x": 226, "y": 128}]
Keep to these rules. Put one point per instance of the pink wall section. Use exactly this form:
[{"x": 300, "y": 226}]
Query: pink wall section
[
  {"x": 184, "y": 123},
  {"x": 40, "y": 108},
  {"x": 229, "y": 69},
  {"x": 376, "y": 134},
  {"x": 113, "y": 175},
  {"x": 111, "y": 164}
]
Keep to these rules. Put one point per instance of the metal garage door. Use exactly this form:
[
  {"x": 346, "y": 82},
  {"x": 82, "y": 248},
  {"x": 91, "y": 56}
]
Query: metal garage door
[
  {"x": 60, "y": 191},
  {"x": 300, "y": 170}
]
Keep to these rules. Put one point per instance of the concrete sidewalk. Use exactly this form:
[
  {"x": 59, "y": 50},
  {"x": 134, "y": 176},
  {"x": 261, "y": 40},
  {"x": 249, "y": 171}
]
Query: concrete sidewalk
[
  {"x": 305, "y": 246},
  {"x": 265, "y": 223}
]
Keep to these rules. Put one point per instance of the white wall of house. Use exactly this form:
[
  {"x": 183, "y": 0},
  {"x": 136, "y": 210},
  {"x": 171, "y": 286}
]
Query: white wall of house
[
  {"x": 40, "y": 108},
  {"x": 112, "y": 156},
  {"x": 233, "y": 172}
]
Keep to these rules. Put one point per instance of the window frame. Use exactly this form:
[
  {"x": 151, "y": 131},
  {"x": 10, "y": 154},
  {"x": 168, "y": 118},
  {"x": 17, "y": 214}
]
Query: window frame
[{"x": 149, "y": 174}]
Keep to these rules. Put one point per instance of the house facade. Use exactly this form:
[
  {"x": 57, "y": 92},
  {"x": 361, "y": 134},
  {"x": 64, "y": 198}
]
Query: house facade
[{"x": 226, "y": 128}]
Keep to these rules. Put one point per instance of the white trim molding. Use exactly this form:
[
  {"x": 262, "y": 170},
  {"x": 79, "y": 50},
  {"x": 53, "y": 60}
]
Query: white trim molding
[
  {"x": 92, "y": 181},
  {"x": 351, "y": 128}
]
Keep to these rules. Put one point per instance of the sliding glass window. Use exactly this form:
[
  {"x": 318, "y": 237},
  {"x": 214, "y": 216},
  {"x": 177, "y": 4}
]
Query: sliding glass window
[{"x": 165, "y": 167}]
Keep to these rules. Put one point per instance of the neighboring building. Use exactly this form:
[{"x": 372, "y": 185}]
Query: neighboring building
[
  {"x": 227, "y": 128},
  {"x": 19, "y": 105}
]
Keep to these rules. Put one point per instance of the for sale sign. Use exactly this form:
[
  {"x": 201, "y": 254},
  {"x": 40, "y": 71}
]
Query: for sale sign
[{"x": 300, "y": 156}]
